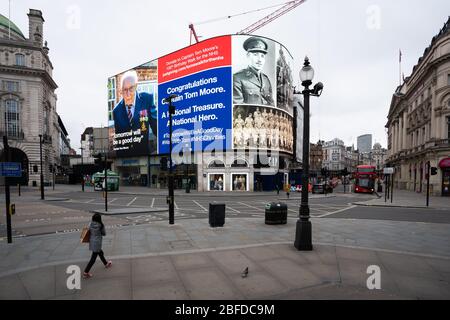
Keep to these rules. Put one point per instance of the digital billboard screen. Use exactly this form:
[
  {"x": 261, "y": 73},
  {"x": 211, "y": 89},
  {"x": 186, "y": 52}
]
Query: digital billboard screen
[
  {"x": 232, "y": 92},
  {"x": 200, "y": 76},
  {"x": 133, "y": 110}
]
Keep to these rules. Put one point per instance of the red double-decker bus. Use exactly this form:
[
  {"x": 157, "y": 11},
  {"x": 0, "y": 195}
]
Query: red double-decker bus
[{"x": 365, "y": 178}]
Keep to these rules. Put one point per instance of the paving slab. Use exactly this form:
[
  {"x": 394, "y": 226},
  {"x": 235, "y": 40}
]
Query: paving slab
[
  {"x": 208, "y": 284},
  {"x": 164, "y": 291}
]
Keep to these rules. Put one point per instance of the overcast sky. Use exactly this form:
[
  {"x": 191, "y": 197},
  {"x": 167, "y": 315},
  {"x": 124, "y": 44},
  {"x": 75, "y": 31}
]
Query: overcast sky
[{"x": 353, "y": 46}]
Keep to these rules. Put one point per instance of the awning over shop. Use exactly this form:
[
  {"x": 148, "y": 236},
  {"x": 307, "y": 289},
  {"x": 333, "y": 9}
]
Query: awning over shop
[{"x": 444, "y": 163}]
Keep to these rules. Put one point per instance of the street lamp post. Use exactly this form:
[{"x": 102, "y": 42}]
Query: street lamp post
[
  {"x": 171, "y": 198},
  {"x": 42, "y": 173},
  {"x": 303, "y": 232},
  {"x": 82, "y": 170}
]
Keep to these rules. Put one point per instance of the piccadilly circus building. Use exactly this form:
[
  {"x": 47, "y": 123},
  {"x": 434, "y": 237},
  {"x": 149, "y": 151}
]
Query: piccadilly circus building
[{"x": 236, "y": 124}]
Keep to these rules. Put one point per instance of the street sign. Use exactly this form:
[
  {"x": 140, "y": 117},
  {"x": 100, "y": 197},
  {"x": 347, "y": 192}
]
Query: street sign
[
  {"x": 388, "y": 170},
  {"x": 10, "y": 169}
]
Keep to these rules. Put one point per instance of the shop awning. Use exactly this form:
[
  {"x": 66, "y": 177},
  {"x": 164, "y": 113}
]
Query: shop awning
[{"x": 444, "y": 163}]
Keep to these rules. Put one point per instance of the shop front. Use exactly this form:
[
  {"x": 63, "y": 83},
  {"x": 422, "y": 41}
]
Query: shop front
[
  {"x": 444, "y": 165},
  {"x": 132, "y": 171}
]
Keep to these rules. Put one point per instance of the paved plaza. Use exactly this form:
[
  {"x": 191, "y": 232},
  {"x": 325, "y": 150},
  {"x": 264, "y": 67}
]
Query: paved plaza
[{"x": 191, "y": 260}]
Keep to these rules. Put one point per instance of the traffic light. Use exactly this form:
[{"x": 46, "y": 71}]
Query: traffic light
[
  {"x": 97, "y": 158},
  {"x": 433, "y": 171}
]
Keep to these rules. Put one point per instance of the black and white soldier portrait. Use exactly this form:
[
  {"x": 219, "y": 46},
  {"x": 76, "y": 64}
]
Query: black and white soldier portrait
[
  {"x": 252, "y": 84},
  {"x": 262, "y": 128}
]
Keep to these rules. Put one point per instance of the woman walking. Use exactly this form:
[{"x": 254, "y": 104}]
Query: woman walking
[{"x": 97, "y": 231}]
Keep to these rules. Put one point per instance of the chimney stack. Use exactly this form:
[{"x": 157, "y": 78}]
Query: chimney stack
[{"x": 36, "y": 26}]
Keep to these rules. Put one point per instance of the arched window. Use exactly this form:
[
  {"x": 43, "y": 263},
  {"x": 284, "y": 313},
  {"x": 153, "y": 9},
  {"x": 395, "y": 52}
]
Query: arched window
[
  {"x": 239, "y": 163},
  {"x": 216, "y": 164},
  {"x": 12, "y": 123},
  {"x": 20, "y": 59}
]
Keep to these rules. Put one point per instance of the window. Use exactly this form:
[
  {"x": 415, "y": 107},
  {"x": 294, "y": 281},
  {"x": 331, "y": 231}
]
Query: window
[
  {"x": 111, "y": 88},
  {"x": 448, "y": 127},
  {"x": 216, "y": 164},
  {"x": 239, "y": 163},
  {"x": 20, "y": 59},
  {"x": 11, "y": 86},
  {"x": 424, "y": 138},
  {"x": 111, "y": 97},
  {"x": 110, "y": 110},
  {"x": 46, "y": 121},
  {"x": 12, "y": 118}
]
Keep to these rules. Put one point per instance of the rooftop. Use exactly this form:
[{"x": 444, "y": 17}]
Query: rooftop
[{"x": 5, "y": 23}]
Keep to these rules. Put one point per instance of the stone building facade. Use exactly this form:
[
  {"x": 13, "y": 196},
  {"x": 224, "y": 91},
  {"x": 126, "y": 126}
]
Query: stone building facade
[
  {"x": 28, "y": 99},
  {"x": 334, "y": 155},
  {"x": 316, "y": 155},
  {"x": 419, "y": 121}
]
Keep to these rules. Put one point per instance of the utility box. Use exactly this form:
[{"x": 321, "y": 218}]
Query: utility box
[
  {"x": 276, "y": 213},
  {"x": 216, "y": 214}
]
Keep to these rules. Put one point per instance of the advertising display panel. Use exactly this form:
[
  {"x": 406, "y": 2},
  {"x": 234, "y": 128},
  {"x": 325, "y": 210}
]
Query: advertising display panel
[
  {"x": 200, "y": 76},
  {"x": 262, "y": 95},
  {"x": 229, "y": 92},
  {"x": 133, "y": 111}
]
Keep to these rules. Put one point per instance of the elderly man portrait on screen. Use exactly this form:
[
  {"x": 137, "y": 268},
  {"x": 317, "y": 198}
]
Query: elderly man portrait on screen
[
  {"x": 251, "y": 85},
  {"x": 136, "y": 110}
]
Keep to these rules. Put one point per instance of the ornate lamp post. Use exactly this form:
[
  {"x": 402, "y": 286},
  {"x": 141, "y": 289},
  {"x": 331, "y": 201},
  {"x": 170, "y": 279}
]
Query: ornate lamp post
[{"x": 303, "y": 232}]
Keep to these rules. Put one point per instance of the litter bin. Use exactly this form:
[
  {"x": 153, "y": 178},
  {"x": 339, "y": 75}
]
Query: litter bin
[
  {"x": 216, "y": 214},
  {"x": 276, "y": 213}
]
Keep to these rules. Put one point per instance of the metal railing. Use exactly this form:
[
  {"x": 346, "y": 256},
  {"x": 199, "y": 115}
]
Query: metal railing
[{"x": 17, "y": 135}]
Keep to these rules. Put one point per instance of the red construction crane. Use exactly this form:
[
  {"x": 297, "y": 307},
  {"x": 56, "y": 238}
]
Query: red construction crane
[
  {"x": 286, "y": 7},
  {"x": 270, "y": 17}
]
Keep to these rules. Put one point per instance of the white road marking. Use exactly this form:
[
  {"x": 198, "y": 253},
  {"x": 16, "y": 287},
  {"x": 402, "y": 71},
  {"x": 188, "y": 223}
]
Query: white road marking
[
  {"x": 327, "y": 214},
  {"x": 89, "y": 201},
  {"x": 129, "y": 203},
  {"x": 175, "y": 204},
  {"x": 249, "y": 206},
  {"x": 320, "y": 210},
  {"x": 112, "y": 200},
  {"x": 199, "y": 205},
  {"x": 228, "y": 207},
  {"x": 153, "y": 202}
]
